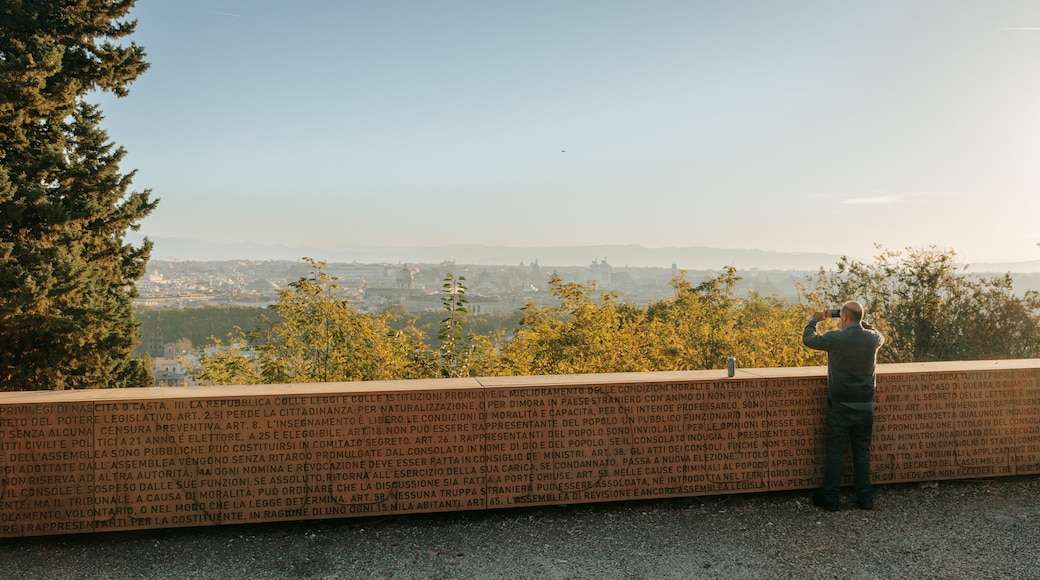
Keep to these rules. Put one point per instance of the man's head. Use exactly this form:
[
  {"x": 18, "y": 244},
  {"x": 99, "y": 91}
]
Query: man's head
[{"x": 851, "y": 313}]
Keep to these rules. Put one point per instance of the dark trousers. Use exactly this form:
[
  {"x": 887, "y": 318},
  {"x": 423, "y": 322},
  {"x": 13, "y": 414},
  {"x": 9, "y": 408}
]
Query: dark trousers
[{"x": 844, "y": 426}]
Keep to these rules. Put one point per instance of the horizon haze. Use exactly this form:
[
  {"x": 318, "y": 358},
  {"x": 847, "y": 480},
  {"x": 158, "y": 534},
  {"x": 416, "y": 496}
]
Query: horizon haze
[{"x": 619, "y": 256}]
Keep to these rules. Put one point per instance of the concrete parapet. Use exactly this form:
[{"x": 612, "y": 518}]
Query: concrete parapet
[{"x": 102, "y": 460}]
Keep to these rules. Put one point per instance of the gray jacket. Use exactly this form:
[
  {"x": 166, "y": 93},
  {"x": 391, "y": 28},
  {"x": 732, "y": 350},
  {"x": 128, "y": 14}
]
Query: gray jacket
[{"x": 851, "y": 358}]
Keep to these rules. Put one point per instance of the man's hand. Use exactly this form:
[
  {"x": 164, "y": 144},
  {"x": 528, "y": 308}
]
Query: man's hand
[{"x": 820, "y": 316}]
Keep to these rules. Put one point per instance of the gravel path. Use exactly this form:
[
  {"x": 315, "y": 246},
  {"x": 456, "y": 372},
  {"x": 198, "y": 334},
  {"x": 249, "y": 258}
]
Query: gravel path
[{"x": 965, "y": 529}]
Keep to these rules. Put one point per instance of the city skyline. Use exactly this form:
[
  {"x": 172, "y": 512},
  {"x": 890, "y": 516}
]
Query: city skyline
[
  {"x": 808, "y": 127},
  {"x": 632, "y": 255}
]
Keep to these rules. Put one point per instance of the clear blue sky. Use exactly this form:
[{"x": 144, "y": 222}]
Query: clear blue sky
[{"x": 815, "y": 126}]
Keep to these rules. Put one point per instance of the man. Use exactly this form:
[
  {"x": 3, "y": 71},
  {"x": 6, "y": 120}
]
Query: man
[{"x": 851, "y": 356}]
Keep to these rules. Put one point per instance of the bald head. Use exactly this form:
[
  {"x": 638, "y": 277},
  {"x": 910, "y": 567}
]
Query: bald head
[{"x": 852, "y": 309}]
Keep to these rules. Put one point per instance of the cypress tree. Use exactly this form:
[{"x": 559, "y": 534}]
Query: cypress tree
[{"x": 67, "y": 276}]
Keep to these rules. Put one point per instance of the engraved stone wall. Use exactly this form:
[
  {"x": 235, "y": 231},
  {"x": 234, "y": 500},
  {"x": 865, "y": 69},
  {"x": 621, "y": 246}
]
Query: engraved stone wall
[
  {"x": 957, "y": 424},
  {"x": 148, "y": 458}
]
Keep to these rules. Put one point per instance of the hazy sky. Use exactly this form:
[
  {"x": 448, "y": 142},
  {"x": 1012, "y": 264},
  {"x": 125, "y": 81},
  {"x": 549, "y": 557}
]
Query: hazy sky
[{"x": 814, "y": 126}]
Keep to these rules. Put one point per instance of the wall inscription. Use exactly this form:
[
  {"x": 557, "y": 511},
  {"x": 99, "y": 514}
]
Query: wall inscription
[
  {"x": 133, "y": 459},
  {"x": 950, "y": 425}
]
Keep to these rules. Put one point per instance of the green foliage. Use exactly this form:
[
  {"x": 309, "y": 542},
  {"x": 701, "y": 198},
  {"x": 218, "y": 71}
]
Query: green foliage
[
  {"x": 66, "y": 275},
  {"x": 768, "y": 334},
  {"x": 580, "y": 335},
  {"x": 698, "y": 322},
  {"x": 931, "y": 309},
  {"x": 320, "y": 338},
  {"x": 482, "y": 324},
  {"x": 454, "y": 352},
  {"x": 314, "y": 336},
  {"x": 198, "y": 325},
  {"x": 925, "y": 304},
  {"x": 697, "y": 328},
  {"x": 230, "y": 364},
  {"x": 484, "y": 337},
  {"x": 700, "y": 327}
]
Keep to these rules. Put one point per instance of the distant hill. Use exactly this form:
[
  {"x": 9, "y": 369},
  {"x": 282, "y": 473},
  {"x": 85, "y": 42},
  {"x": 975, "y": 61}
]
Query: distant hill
[{"x": 689, "y": 258}]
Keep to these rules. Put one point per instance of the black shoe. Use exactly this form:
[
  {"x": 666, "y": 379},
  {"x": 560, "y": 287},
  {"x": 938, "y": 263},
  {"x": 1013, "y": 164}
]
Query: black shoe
[
  {"x": 820, "y": 502},
  {"x": 866, "y": 503}
]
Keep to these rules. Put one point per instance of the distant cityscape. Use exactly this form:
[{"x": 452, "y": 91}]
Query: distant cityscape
[
  {"x": 375, "y": 287},
  {"x": 418, "y": 287},
  {"x": 169, "y": 284},
  {"x": 621, "y": 255}
]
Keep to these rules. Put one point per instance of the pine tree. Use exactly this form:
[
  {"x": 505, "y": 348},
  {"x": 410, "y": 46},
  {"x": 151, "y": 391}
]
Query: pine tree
[{"x": 66, "y": 274}]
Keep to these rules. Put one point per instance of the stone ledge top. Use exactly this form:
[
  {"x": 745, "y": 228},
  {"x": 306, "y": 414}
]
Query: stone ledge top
[{"x": 476, "y": 383}]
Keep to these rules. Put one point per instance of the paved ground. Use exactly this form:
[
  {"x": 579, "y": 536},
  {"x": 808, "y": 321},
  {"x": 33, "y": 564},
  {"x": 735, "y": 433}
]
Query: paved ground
[{"x": 966, "y": 529}]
